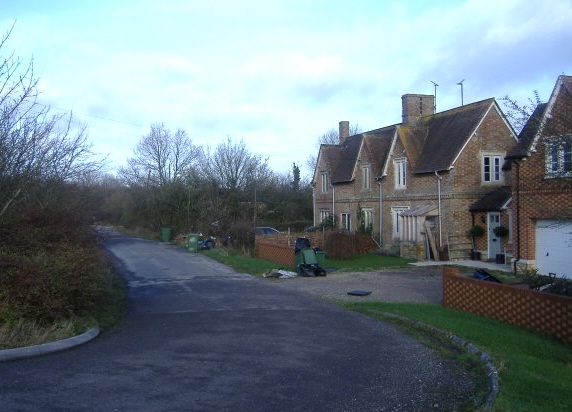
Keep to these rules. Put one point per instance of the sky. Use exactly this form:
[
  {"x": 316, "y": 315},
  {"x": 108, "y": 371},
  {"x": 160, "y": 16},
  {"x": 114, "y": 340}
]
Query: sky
[{"x": 278, "y": 74}]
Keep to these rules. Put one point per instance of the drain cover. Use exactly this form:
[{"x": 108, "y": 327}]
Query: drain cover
[{"x": 359, "y": 292}]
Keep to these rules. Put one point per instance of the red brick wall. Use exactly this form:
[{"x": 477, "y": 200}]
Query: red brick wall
[
  {"x": 543, "y": 312},
  {"x": 541, "y": 197}
]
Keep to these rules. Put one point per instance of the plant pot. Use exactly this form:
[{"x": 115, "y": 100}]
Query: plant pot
[{"x": 475, "y": 255}]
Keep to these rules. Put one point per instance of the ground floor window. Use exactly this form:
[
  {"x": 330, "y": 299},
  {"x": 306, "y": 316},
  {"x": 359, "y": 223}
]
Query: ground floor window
[
  {"x": 324, "y": 216},
  {"x": 397, "y": 220},
  {"x": 366, "y": 220},
  {"x": 346, "y": 221}
]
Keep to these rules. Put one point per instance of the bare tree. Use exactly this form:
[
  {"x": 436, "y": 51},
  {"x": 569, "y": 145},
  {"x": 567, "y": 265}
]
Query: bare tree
[
  {"x": 332, "y": 136},
  {"x": 38, "y": 150},
  {"x": 161, "y": 157},
  {"x": 517, "y": 113},
  {"x": 234, "y": 167}
]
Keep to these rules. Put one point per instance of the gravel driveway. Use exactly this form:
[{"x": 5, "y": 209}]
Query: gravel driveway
[{"x": 415, "y": 284}]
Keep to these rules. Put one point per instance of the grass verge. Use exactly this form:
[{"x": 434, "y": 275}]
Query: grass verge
[
  {"x": 257, "y": 267},
  {"x": 535, "y": 372}
]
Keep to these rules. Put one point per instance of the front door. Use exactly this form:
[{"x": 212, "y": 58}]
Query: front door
[{"x": 494, "y": 241}]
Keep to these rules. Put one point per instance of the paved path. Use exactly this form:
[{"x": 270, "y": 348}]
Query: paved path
[{"x": 200, "y": 337}]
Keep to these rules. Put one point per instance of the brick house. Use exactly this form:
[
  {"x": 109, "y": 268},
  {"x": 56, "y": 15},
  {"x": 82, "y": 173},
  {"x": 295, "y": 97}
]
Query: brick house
[
  {"x": 420, "y": 185},
  {"x": 541, "y": 168}
]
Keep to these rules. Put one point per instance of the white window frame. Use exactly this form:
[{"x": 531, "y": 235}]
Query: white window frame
[
  {"x": 367, "y": 217},
  {"x": 400, "y": 168},
  {"x": 346, "y": 221},
  {"x": 558, "y": 156},
  {"x": 396, "y": 220},
  {"x": 324, "y": 214},
  {"x": 324, "y": 182},
  {"x": 366, "y": 177},
  {"x": 492, "y": 172}
]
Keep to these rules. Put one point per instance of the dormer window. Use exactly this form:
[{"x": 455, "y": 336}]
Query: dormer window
[{"x": 559, "y": 156}]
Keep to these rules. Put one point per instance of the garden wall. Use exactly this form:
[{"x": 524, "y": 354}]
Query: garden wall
[{"x": 543, "y": 312}]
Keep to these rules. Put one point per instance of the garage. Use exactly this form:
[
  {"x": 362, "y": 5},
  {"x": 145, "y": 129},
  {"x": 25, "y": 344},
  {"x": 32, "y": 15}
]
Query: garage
[{"x": 554, "y": 247}]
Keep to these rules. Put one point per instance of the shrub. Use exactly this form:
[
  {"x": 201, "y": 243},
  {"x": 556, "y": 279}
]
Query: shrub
[{"x": 50, "y": 272}]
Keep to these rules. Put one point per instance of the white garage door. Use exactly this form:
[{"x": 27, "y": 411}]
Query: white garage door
[{"x": 554, "y": 247}]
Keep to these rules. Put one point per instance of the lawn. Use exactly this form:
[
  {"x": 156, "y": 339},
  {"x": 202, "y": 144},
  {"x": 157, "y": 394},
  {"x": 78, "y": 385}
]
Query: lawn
[
  {"x": 535, "y": 372},
  {"x": 257, "y": 267}
]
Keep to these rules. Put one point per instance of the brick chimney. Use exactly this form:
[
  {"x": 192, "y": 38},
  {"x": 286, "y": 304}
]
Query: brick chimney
[
  {"x": 344, "y": 131},
  {"x": 416, "y": 105}
]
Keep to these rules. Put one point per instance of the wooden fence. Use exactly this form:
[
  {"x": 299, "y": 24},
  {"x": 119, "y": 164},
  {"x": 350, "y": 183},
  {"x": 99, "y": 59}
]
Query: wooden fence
[{"x": 543, "y": 312}]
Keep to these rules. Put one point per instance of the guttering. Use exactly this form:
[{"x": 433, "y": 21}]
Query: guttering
[
  {"x": 439, "y": 207},
  {"x": 517, "y": 164},
  {"x": 314, "y": 204},
  {"x": 333, "y": 205},
  {"x": 380, "y": 211}
]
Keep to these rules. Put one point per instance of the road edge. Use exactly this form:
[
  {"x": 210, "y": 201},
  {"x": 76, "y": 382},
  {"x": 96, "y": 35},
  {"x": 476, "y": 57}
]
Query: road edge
[
  {"x": 484, "y": 357},
  {"x": 50, "y": 347}
]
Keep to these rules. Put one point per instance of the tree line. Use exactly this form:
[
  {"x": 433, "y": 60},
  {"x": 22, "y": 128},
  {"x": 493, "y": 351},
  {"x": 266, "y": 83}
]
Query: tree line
[{"x": 48, "y": 168}]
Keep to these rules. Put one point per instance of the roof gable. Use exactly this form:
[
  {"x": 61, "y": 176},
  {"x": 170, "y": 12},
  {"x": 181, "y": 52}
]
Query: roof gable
[
  {"x": 447, "y": 133},
  {"x": 540, "y": 120},
  {"x": 341, "y": 160},
  {"x": 528, "y": 133},
  {"x": 378, "y": 145}
]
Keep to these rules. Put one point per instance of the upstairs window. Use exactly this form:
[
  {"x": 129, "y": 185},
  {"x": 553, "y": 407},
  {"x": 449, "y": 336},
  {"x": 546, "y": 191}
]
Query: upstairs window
[
  {"x": 366, "y": 177},
  {"x": 400, "y": 173},
  {"x": 492, "y": 168},
  {"x": 324, "y": 182},
  {"x": 559, "y": 156}
]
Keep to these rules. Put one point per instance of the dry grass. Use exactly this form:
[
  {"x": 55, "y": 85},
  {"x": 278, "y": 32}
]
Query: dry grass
[{"x": 27, "y": 333}]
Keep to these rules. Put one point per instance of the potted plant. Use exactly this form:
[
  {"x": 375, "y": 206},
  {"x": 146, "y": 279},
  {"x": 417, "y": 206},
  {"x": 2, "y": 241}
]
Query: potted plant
[
  {"x": 476, "y": 231},
  {"x": 500, "y": 231}
]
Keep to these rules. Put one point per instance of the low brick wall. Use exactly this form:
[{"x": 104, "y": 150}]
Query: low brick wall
[
  {"x": 279, "y": 254},
  {"x": 539, "y": 311}
]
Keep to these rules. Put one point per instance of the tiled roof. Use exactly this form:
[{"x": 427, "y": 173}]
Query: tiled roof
[
  {"x": 527, "y": 134},
  {"x": 446, "y": 135},
  {"x": 492, "y": 201},
  {"x": 342, "y": 159},
  {"x": 378, "y": 143},
  {"x": 431, "y": 146}
]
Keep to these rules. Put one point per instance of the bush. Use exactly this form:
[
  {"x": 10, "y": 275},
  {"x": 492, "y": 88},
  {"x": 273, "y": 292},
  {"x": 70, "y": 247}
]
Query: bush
[{"x": 50, "y": 272}]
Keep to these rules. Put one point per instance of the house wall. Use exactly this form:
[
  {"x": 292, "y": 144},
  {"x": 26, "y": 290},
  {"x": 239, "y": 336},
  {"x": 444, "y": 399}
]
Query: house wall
[
  {"x": 541, "y": 197},
  {"x": 460, "y": 188}
]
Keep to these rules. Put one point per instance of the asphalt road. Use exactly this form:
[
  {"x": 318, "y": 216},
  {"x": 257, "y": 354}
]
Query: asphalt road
[{"x": 200, "y": 337}]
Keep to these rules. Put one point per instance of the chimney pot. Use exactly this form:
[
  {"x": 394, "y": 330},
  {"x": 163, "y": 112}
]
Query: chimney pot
[
  {"x": 414, "y": 106},
  {"x": 344, "y": 132}
]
